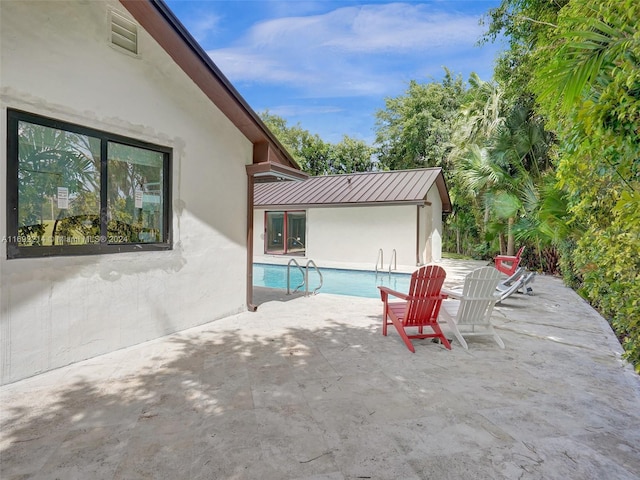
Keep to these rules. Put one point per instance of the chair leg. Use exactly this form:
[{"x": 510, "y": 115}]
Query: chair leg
[
  {"x": 440, "y": 335},
  {"x": 459, "y": 337},
  {"x": 403, "y": 334},
  {"x": 454, "y": 328},
  {"x": 385, "y": 322}
]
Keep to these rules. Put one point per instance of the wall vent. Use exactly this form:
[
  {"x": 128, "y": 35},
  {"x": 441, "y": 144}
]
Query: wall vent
[{"x": 124, "y": 33}]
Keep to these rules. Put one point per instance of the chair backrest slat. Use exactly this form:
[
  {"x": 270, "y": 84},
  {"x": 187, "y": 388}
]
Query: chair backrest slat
[
  {"x": 424, "y": 296},
  {"x": 478, "y": 296}
]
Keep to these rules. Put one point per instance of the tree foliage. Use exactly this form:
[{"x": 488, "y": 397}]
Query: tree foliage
[
  {"x": 317, "y": 157},
  {"x": 499, "y": 155},
  {"x": 414, "y": 129},
  {"x": 526, "y": 25},
  {"x": 590, "y": 92}
]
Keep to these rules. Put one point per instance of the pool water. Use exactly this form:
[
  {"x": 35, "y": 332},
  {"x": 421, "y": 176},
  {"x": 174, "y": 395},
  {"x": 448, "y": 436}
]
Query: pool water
[{"x": 355, "y": 283}]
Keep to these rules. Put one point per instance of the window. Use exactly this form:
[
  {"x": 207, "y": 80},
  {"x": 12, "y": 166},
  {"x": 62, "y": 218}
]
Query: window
[
  {"x": 72, "y": 190},
  {"x": 285, "y": 233}
]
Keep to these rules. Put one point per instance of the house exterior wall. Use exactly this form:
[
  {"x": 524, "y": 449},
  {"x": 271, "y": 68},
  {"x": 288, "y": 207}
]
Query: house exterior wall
[
  {"x": 56, "y": 61},
  {"x": 433, "y": 242},
  {"x": 356, "y": 234},
  {"x": 353, "y": 236},
  {"x": 425, "y": 225}
]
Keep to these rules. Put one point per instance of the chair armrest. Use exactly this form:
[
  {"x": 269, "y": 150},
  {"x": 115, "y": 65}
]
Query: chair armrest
[
  {"x": 386, "y": 291},
  {"x": 506, "y": 258},
  {"x": 455, "y": 294}
]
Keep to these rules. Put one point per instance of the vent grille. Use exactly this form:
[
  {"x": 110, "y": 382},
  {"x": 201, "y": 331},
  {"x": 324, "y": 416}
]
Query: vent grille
[{"x": 124, "y": 33}]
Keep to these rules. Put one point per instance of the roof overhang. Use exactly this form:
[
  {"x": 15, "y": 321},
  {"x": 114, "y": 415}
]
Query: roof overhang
[
  {"x": 270, "y": 171},
  {"x": 165, "y": 28},
  {"x": 341, "y": 205},
  {"x": 444, "y": 194}
]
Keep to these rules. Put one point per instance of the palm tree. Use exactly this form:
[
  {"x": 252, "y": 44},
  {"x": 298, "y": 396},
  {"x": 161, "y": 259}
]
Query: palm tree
[
  {"x": 488, "y": 183},
  {"x": 479, "y": 118},
  {"x": 501, "y": 155},
  {"x": 50, "y": 158},
  {"x": 521, "y": 146}
]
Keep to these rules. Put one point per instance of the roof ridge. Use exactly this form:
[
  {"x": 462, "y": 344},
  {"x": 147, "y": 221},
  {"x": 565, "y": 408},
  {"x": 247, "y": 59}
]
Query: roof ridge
[{"x": 374, "y": 172}]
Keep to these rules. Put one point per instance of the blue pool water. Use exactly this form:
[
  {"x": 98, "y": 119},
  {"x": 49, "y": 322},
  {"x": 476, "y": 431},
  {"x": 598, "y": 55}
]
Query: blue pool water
[{"x": 355, "y": 283}]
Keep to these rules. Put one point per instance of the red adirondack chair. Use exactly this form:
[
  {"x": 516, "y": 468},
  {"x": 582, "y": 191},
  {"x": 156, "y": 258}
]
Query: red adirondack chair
[
  {"x": 420, "y": 307},
  {"x": 508, "y": 264}
]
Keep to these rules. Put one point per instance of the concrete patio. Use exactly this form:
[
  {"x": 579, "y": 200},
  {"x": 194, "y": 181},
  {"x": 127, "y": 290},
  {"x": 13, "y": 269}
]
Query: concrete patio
[{"x": 308, "y": 388}]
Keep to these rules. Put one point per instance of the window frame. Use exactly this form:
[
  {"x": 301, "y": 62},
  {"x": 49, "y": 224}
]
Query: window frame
[
  {"x": 285, "y": 250},
  {"x": 14, "y": 250}
]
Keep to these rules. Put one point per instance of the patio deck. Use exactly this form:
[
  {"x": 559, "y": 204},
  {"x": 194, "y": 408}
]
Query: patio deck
[{"x": 308, "y": 388}]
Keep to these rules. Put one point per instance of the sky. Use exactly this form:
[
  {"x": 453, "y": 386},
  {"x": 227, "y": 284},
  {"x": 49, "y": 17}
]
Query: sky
[{"x": 329, "y": 65}]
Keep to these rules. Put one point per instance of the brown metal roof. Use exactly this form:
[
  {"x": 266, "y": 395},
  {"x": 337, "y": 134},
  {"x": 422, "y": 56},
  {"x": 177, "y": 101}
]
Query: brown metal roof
[{"x": 369, "y": 188}]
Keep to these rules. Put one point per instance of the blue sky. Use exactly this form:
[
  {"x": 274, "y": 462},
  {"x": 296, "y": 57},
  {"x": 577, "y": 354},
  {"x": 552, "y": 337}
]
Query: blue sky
[{"x": 328, "y": 65}]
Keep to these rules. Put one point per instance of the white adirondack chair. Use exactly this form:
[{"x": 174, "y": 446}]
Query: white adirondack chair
[
  {"x": 469, "y": 311},
  {"x": 521, "y": 283}
]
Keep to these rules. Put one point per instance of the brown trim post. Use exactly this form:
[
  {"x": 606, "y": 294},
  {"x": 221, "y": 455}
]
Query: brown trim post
[
  {"x": 267, "y": 171},
  {"x": 418, "y": 235},
  {"x": 250, "y": 183}
]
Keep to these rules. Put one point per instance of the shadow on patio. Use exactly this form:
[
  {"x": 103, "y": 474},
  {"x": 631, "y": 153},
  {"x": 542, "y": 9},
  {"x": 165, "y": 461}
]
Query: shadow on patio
[{"x": 310, "y": 389}]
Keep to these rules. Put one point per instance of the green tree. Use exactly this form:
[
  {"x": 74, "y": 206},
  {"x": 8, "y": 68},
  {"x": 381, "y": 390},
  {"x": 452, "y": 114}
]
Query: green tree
[
  {"x": 295, "y": 139},
  {"x": 590, "y": 92},
  {"x": 316, "y": 156},
  {"x": 526, "y": 25},
  {"x": 479, "y": 117},
  {"x": 414, "y": 129},
  {"x": 521, "y": 146},
  {"x": 500, "y": 151},
  {"x": 351, "y": 155}
]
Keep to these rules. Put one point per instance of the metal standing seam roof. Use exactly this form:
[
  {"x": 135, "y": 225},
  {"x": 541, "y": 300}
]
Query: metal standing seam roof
[{"x": 367, "y": 188}]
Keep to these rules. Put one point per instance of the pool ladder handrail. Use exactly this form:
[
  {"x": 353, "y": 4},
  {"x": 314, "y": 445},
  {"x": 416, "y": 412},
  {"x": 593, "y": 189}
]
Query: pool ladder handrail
[
  {"x": 380, "y": 260},
  {"x": 393, "y": 263},
  {"x": 305, "y": 276},
  {"x": 293, "y": 260}
]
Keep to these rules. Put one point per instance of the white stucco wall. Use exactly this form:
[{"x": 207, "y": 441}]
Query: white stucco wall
[
  {"x": 55, "y": 60},
  {"x": 425, "y": 232},
  {"x": 355, "y": 234},
  {"x": 352, "y": 236},
  {"x": 434, "y": 240}
]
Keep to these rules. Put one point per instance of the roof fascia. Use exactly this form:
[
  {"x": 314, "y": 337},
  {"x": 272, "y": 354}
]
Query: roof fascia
[
  {"x": 444, "y": 193},
  {"x": 341, "y": 205},
  {"x": 161, "y": 23}
]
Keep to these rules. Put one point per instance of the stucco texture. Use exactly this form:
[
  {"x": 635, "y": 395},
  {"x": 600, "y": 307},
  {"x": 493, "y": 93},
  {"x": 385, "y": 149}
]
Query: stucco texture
[{"x": 56, "y": 60}]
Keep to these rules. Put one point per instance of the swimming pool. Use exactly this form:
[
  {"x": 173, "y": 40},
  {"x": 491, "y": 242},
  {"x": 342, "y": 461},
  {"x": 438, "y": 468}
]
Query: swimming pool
[{"x": 355, "y": 283}]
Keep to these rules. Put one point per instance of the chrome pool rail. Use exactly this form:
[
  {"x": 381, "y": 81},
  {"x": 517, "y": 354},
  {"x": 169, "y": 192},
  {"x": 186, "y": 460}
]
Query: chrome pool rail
[
  {"x": 393, "y": 261},
  {"x": 380, "y": 260},
  {"x": 393, "y": 264},
  {"x": 305, "y": 275},
  {"x": 306, "y": 278},
  {"x": 294, "y": 261}
]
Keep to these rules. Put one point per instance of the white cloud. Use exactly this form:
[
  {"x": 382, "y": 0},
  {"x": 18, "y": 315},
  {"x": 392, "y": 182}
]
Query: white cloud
[
  {"x": 302, "y": 110},
  {"x": 205, "y": 25},
  {"x": 401, "y": 27},
  {"x": 356, "y": 50}
]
